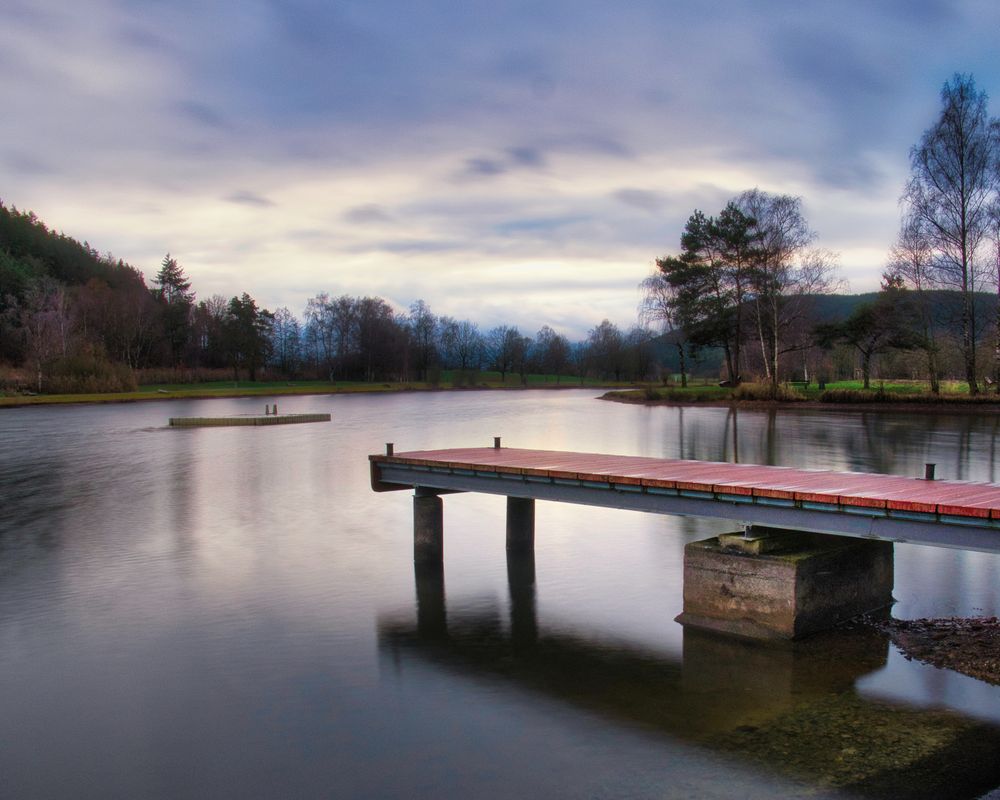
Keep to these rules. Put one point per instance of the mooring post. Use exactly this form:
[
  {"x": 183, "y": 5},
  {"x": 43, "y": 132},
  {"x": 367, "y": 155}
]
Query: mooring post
[
  {"x": 929, "y": 472},
  {"x": 520, "y": 524},
  {"x": 496, "y": 442},
  {"x": 428, "y": 525}
]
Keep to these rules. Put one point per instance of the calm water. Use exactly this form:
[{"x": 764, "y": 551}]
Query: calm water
[{"x": 233, "y": 613}]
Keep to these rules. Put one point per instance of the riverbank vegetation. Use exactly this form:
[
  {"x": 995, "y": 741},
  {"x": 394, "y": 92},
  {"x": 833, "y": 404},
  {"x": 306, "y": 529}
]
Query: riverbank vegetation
[
  {"x": 906, "y": 394},
  {"x": 210, "y": 384},
  {"x": 749, "y": 304}
]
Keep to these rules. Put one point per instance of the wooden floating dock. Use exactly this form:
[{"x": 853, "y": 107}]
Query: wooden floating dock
[
  {"x": 891, "y": 508},
  {"x": 222, "y": 422}
]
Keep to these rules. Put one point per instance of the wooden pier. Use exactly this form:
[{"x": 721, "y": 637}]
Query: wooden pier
[
  {"x": 813, "y": 548},
  {"x": 960, "y": 514}
]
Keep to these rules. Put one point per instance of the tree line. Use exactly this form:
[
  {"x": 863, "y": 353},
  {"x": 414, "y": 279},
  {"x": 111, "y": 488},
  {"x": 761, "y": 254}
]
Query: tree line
[
  {"x": 72, "y": 319},
  {"x": 747, "y": 280}
]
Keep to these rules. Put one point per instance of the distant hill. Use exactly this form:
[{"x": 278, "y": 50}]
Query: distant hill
[{"x": 30, "y": 251}]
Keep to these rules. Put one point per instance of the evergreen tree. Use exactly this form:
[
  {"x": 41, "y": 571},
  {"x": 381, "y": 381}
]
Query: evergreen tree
[{"x": 176, "y": 300}]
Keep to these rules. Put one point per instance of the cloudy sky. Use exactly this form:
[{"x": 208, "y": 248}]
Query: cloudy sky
[{"x": 518, "y": 162}]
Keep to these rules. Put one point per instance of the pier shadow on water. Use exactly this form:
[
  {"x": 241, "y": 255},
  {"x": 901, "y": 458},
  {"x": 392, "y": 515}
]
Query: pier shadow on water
[{"x": 789, "y": 710}]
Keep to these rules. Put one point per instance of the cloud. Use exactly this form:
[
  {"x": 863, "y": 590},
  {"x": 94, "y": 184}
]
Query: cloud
[
  {"x": 202, "y": 114},
  {"x": 491, "y": 137},
  {"x": 521, "y": 157},
  {"x": 246, "y": 198},
  {"x": 370, "y": 212},
  {"x": 483, "y": 167},
  {"x": 643, "y": 199}
]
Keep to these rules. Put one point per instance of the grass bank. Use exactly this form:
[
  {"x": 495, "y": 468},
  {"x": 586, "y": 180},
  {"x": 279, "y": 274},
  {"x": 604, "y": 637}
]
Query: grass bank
[
  {"x": 903, "y": 394},
  {"x": 270, "y": 389}
]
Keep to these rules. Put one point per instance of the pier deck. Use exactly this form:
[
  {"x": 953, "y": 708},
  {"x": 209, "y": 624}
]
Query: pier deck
[{"x": 959, "y": 514}]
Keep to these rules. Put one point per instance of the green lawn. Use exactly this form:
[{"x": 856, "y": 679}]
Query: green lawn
[
  {"x": 901, "y": 391},
  {"x": 445, "y": 380}
]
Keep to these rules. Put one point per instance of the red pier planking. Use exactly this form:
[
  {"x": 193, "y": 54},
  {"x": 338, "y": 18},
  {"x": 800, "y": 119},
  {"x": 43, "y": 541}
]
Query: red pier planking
[{"x": 951, "y": 498}]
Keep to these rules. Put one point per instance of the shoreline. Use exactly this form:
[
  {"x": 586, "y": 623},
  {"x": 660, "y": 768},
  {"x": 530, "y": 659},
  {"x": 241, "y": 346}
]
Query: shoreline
[
  {"x": 959, "y": 405},
  {"x": 968, "y": 645},
  {"x": 25, "y": 401}
]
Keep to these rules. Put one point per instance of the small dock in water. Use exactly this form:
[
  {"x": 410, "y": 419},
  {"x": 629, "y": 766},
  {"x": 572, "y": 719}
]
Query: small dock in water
[{"x": 224, "y": 422}]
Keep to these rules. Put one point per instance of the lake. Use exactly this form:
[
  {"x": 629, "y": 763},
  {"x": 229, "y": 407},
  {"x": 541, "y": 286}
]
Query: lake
[{"x": 232, "y": 612}]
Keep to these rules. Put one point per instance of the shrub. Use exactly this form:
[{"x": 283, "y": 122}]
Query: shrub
[
  {"x": 762, "y": 391},
  {"x": 87, "y": 373},
  {"x": 174, "y": 375}
]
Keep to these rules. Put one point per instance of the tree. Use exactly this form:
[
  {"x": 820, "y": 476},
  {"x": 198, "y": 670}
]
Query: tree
[
  {"x": 711, "y": 280},
  {"x": 552, "y": 352},
  {"x": 912, "y": 259},
  {"x": 657, "y": 305},
  {"x": 505, "y": 346},
  {"x": 877, "y": 327},
  {"x": 121, "y": 320},
  {"x": 247, "y": 335},
  {"x": 785, "y": 274},
  {"x": 208, "y": 322},
  {"x": 380, "y": 341},
  {"x": 955, "y": 177},
  {"x": 606, "y": 346},
  {"x": 639, "y": 352},
  {"x": 46, "y": 324},
  {"x": 423, "y": 325},
  {"x": 173, "y": 292},
  {"x": 462, "y": 343},
  {"x": 285, "y": 341}
]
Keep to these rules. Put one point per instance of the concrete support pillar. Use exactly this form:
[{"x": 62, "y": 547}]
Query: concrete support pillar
[
  {"x": 428, "y": 526},
  {"x": 779, "y": 584},
  {"x": 520, "y": 524}
]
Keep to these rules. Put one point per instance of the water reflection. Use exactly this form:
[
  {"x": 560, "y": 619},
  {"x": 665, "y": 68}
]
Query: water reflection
[
  {"x": 190, "y": 613},
  {"x": 791, "y": 708},
  {"x": 963, "y": 445}
]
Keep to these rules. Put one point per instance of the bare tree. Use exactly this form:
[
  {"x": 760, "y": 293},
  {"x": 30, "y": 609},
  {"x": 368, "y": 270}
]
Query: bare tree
[
  {"x": 954, "y": 183},
  {"x": 462, "y": 343},
  {"x": 656, "y": 307},
  {"x": 46, "y": 324},
  {"x": 504, "y": 344},
  {"x": 912, "y": 259},
  {"x": 995, "y": 273},
  {"x": 787, "y": 272},
  {"x": 423, "y": 325},
  {"x": 606, "y": 345},
  {"x": 552, "y": 352}
]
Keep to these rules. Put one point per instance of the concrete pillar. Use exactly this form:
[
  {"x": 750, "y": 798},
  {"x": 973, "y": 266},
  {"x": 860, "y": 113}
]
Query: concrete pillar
[
  {"x": 783, "y": 584},
  {"x": 520, "y": 524},
  {"x": 428, "y": 526}
]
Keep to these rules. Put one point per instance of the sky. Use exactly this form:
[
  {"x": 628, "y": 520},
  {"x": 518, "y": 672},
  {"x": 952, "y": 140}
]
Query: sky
[{"x": 507, "y": 162}]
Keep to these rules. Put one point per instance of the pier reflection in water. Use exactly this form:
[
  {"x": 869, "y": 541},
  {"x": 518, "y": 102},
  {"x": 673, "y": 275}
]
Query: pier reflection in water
[{"x": 792, "y": 709}]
